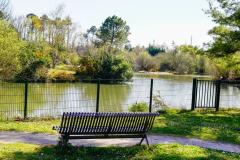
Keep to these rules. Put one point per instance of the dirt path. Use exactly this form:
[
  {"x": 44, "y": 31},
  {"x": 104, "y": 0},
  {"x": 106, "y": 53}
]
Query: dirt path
[{"x": 46, "y": 139}]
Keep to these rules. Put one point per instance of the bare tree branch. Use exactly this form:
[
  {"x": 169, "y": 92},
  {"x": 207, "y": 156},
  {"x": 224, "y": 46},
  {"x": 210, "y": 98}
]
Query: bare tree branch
[{"x": 5, "y": 10}]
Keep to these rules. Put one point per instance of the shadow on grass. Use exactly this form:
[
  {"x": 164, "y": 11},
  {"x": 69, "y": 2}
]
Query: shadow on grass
[{"x": 156, "y": 152}]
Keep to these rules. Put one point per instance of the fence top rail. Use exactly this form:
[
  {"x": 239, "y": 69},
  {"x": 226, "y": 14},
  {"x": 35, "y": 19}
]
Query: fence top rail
[
  {"x": 230, "y": 81},
  {"x": 207, "y": 80},
  {"x": 221, "y": 81}
]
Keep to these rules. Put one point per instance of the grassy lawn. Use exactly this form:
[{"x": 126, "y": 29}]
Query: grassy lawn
[
  {"x": 32, "y": 125},
  {"x": 209, "y": 125},
  {"x": 20, "y": 151},
  {"x": 204, "y": 124}
]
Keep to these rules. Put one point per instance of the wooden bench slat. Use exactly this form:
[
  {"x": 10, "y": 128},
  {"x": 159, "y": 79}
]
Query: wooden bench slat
[
  {"x": 124, "y": 122},
  {"x": 77, "y": 122},
  {"x": 132, "y": 129},
  {"x": 83, "y": 123},
  {"x": 142, "y": 123},
  {"x": 135, "y": 121}
]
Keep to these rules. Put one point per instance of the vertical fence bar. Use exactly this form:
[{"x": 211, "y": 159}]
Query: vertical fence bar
[
  {"x": 25, "y": 99},
  {"x": 98, "y": 94},
  {"x": 151, "y": 93},
  {"x": 194, "y": 89},
  {"x": 217, "y": 98}
]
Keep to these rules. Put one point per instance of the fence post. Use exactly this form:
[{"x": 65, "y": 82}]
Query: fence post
[
  {"x": 98, "y": 94},
  {"x": 25, "y": 99},
  {"x": 194, "y": 92},
  {"x": 151, "y": 93},
  {"x": 217, "y": 98}
]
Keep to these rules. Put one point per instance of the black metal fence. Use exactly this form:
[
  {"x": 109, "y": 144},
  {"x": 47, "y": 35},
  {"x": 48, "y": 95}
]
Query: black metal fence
[
  {"x": 207, "y": 93},
  {"x": 23, "y": 100},
  {"x": 27, "y": 100}
]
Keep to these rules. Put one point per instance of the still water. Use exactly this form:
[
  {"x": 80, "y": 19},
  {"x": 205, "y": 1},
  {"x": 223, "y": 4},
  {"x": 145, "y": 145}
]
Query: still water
[{"x": 52, "y": 99}]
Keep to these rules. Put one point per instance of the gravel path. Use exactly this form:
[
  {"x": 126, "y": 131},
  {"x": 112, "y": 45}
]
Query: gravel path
[{"x": 46, "y": 139}]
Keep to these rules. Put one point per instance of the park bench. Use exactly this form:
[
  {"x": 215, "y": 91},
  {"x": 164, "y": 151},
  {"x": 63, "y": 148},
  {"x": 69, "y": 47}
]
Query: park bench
[{"x": 105, "y": 125}]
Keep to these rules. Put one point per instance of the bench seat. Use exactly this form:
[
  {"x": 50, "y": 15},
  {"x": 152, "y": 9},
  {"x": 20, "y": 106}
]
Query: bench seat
[{"x": 105, "y": 125}]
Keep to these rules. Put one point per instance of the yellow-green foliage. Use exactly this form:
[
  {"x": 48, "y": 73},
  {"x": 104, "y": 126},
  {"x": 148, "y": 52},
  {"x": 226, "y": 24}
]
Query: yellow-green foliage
[
  {"x": 146, "y": 62},
  {"x": 228, "y": 67},
  {"x": 139, "y": 107},
  {"x": 41, "y": 73},
  {"x": 66, "y": 67},
  {"x": 10, "y": 46},
  {"x": 105, "y": 63},
  {"x": 73, "y": 59},
  {"x": 61, "y": 75}
]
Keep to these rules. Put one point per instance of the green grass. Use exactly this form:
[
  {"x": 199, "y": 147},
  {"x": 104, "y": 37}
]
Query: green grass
[
  {"x": 20, "y": 151},
  {"x": 32, "y": 125},
  {"x": 208, "y": 125},
  {"x": 204, "y": 124}
]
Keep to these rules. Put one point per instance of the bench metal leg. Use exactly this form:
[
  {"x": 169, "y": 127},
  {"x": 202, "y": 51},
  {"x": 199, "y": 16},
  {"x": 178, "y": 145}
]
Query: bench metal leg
[
  {"x": 63, "y": 140},
  {"x": 145, "y": 137},
  {"x": 141, "y": 141},
  {"x": 147, "y": 141}
]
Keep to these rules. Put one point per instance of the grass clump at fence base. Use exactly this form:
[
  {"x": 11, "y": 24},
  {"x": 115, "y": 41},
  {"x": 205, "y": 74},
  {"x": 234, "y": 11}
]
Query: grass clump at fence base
[
  {"x": 204, "y": 124},
  {"x": 139, "y": 107},
  {"x": 20, "y": 151}
]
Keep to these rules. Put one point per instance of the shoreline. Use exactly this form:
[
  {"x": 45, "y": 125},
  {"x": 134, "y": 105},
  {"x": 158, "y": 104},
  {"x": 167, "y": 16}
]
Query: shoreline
[{"x": 170, "y": 74}]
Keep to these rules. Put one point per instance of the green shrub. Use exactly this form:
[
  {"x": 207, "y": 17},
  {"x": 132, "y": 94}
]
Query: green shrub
[
  {"x": 139, "y": 107},
  {"x": 105, "y": 64},
  {"x": 114, "y": 67},
  {"x": 66, "y": 67},
  {"x": 28, "y": 73},
  {"x": 61, "y": 75},
  {"x": 184, "y": 60},
  {"x": 184, "y": 63},
  {"x": 73, "y": 59},
  {"x": 41, "y": 74},
  {"x": 228, "y": 67},
  {"x": 145, "y": 62},
  {"x": 34, "y": 60}
]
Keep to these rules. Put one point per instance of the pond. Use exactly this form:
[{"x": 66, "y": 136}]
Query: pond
[{"x": 52, "y": 99}]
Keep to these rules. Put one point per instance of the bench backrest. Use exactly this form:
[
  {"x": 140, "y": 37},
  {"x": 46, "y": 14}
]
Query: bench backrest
[{"x": 106, "y": 123}]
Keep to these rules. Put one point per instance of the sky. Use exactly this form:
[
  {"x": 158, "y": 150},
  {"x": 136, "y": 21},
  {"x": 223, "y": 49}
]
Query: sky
[{"x": 151, "y": 21}]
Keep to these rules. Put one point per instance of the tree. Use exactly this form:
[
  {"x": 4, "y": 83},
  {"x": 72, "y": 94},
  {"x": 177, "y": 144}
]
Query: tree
[
  {"x": 226, "y": 13},
  {"x": 154, "y": 50},
  {"x": 5, "y": 12},
  {"x": 114, "y": 32},
  {"x": 44, "y": 21},
  {"x": 68, "y": 23},
  {"x": 10, "y": 46},
  {"x": 226, "y": 45},
  {"x": 91, "y": 34},
  {"x": 33, "y": 57},
  {"x": 99, "y": 63},
  {"x": 193, "y": 50}
]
